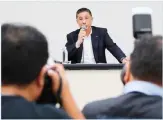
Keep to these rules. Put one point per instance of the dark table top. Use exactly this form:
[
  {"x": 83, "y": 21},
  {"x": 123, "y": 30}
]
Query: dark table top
[{"x": 93, "y": 66}]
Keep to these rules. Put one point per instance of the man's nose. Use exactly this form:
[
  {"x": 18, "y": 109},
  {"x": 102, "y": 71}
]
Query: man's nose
[{"x": 84, "y": 21}]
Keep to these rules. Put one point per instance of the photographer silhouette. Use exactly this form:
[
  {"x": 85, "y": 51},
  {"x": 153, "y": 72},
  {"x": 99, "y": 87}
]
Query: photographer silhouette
[{"x": 24, "y": 58}]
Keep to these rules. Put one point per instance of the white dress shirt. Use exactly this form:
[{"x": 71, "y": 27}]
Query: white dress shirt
[
  {"x": 143, "y": 87},
  {"x": 87, "y": 54}
]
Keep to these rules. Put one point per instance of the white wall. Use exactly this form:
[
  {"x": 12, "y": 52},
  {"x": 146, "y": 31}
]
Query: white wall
[{"x": 55, "y": 19}]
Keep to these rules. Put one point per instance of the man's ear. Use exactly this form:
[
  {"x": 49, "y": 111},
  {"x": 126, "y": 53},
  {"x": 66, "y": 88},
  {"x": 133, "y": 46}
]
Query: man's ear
[
  {"x": 41, "y": 76},
  {"x": 123, "y": 72},
  {"x": 127, "y": 75}
]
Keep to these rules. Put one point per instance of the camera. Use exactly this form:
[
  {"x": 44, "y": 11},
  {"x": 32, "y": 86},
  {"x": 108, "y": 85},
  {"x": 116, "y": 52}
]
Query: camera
[
  {"x": 142, "y": 21},
  {"x": 47, "y": 96}
]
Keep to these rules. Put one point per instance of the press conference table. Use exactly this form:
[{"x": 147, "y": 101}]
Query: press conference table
[
  {"x": 90, "y": 82},
  {"x": 99, "y": 66}
]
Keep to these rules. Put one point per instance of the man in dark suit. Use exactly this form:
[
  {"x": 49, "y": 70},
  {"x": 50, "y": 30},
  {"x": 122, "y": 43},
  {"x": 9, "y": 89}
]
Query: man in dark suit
[
  {"x": 88, "y": 44},
  {"x": 142, "y": 96}
]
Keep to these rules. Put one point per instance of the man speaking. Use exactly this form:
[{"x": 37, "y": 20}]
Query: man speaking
[{"x": 88, "y": 44}]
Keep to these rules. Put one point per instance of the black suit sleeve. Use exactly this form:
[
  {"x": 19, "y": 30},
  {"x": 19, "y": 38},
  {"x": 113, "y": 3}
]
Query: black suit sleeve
[
  {"x": 71, "y": 48},
  {"x": 112, "y": 47},
  {"x": 94, "y": 109}
]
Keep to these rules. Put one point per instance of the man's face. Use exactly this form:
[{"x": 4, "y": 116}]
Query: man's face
[{"x": 84, "y": 18}]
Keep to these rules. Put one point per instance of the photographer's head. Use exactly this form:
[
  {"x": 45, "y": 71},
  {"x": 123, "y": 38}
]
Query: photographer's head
[
  {"x": 24, "y": 55},
  {"x": 146, "y": 60}
]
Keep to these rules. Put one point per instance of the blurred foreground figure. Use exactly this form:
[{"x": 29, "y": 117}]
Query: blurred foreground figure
[
  {"x": 24, "y": 59},
  {"x": 143, "y": 92}
]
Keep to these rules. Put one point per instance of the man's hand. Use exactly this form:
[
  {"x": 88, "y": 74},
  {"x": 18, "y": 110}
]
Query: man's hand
[
  {"x": 81, "y": 36},
  {"x": 55, "y": 78},
  {"x": 125, "y": 60},
  {"x": 68, "y": 102}
]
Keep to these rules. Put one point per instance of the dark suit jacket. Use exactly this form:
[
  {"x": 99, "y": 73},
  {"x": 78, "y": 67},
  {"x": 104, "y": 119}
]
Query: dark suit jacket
[
  {"x": 131, "y": 105},
  {"x": 16, "y": 107},
  {"x": 100, "y": 41}
]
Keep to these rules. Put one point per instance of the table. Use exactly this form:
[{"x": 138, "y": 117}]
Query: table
[{"x": 89, "y": 82}]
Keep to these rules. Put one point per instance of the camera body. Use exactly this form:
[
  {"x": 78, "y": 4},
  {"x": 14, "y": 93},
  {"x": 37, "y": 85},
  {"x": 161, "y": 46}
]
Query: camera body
[
  {"x": 47, "y": 96},
  {"x": 142, "y": 21}
]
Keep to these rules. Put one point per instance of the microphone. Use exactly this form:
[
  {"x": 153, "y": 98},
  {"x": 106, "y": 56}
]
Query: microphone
[
  {"x": 142, "y": 21},
  {"x": 83, "y": 27}
]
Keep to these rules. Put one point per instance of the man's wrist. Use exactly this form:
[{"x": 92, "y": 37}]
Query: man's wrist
[
  {"x": 66, "y": 95},
  {"x": 65, "y": 91},
  {"x": 122, "y": 59}
]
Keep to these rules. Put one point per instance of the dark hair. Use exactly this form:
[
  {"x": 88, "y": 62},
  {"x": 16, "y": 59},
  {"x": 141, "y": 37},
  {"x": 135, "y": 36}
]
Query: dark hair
[
  {"x": 83, "y": 10},
  {"x": 24, "y": 53},
  {"x": 146, "y": 59}
]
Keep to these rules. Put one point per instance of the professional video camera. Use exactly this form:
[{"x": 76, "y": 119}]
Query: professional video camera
[{"x": 142, "y": 21}]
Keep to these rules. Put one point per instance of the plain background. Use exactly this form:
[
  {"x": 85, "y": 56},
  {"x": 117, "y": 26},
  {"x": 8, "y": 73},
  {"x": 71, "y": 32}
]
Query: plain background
[{"x": 57, "y": 18}]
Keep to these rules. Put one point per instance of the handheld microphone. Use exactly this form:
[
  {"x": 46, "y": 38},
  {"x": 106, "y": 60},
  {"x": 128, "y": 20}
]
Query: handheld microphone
[{"x": 83, "y": 27}]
